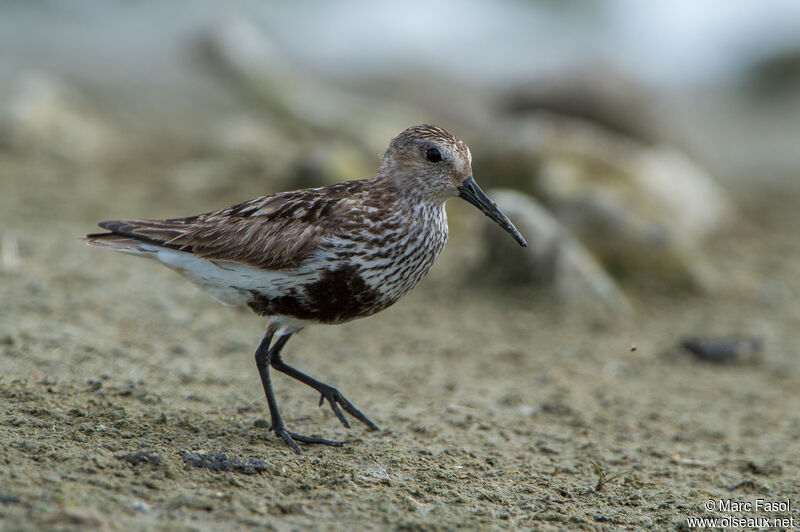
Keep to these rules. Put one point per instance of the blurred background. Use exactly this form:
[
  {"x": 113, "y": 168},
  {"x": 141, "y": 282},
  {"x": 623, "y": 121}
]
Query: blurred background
[
  {"x": 632, "y": 125},
  {"x": 648, "y": 151}
]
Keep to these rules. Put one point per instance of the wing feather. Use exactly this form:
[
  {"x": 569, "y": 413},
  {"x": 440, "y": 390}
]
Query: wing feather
[{"x": 272, "y": 232}]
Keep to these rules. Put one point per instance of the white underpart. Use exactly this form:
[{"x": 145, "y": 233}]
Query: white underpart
[{"x": 227, "y": 282}]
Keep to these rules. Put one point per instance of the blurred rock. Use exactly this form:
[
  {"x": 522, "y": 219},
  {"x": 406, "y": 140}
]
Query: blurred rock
[
  {"x": 44, "y": 114},
  {"x": 249, "y": 137},
  {"x": 201, "y": 175},
  {"x": 642, "y": 209},
  {"x": 227, "y": 178},
  {"x": 602, "y": 96},
  {"x": 287, "y": 163},
  {"x": 300, "y": 104},
  {"x": 10, "y": 260},
  {"x": 776, "y": 75},
  {"x": 251, "y": 148},
  {"x": 331, "y": 162},
  {"x": 553, "y": 257}
]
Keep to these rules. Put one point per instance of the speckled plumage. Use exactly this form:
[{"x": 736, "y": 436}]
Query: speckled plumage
[{"x": 322, "y": 255}]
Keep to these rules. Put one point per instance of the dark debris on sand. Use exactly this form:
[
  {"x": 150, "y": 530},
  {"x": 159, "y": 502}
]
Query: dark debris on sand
[
  {"x": 9, "y": 499},
  {"x": 221, "y": 462},
  {"x": 724, "y": 350},
  {"x": 140, "y": 457}
]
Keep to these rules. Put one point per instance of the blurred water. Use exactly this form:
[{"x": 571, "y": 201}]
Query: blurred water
[{"x": 664, "y": 42}]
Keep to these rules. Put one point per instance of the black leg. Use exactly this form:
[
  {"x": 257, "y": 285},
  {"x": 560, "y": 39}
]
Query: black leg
[
  {"x": 333, "y": 395},
  {"x": 264, "y": 355}
]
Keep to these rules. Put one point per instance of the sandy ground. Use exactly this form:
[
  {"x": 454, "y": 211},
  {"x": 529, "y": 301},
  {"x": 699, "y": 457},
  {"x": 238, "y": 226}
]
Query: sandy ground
[{"x": 119, "y": 381}]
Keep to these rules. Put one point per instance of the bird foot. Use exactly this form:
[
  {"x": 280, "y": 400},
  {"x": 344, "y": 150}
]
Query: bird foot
[
  {"x": 291, "y": 439},
  {"x": 335, "y": 398}
]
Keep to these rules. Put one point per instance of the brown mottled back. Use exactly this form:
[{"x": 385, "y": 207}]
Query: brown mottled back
[{"x": 272, "y": 232}]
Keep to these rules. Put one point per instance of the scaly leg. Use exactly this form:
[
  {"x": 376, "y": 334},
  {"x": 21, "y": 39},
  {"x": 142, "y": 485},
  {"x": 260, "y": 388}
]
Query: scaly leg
[
  {"x": 333, "y": 395},
  {"x": 264, "y": 355}
]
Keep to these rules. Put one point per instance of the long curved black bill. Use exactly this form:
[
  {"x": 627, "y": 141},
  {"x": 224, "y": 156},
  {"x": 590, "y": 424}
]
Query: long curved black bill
[{"x": 470, "y": 191}]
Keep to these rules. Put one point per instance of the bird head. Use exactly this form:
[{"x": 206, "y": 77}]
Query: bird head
[{"x": 432, "y": 163}]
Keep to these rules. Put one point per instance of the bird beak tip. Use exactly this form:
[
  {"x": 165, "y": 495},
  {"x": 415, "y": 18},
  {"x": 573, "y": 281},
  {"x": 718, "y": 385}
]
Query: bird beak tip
[{"x": 471, "y": 192}]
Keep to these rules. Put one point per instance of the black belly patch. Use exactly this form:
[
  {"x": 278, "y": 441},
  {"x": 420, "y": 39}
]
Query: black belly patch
[{"x": 339, "y": 295}]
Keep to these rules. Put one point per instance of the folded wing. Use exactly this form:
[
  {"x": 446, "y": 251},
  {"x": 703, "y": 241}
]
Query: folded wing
[{"x": 271, "y": 232}]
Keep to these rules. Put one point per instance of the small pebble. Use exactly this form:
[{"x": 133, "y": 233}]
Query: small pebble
[
  {"x": 723, "y": 350},
  {"x": 140, "y": 506}
]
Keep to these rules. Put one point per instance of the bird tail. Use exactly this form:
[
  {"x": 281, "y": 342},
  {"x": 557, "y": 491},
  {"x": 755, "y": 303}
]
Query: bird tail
[{"x": 121, "y": 243}]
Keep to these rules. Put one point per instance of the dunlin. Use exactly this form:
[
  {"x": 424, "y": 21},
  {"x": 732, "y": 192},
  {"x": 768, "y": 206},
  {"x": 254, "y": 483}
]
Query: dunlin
[{"x": 321, "y": 255}]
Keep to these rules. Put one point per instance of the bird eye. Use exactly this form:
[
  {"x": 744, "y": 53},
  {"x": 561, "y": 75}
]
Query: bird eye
[{"x": 433, "y": 155}]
